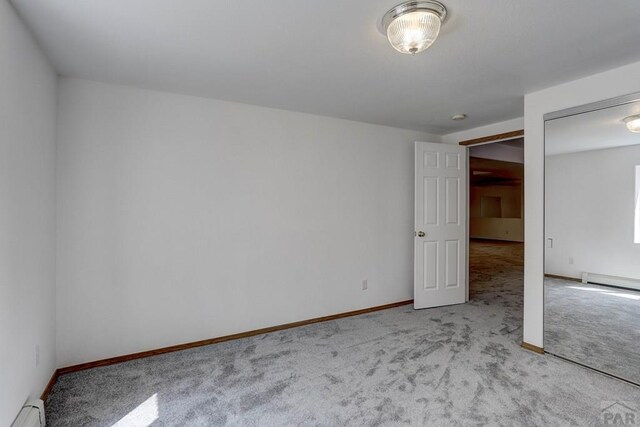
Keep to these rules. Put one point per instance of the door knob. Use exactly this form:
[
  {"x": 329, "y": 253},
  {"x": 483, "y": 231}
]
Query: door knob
[{"x": 421, "y": 234}]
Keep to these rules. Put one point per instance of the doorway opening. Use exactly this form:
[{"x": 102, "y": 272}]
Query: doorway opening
[{"x": 496, "y": 219}]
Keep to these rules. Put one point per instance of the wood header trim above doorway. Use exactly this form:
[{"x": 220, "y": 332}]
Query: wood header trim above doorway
[
  {"x": 532, "y": 347},
  {"x": 492, "y": 138}
]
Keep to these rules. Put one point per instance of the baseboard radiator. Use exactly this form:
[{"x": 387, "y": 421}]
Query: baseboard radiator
[
  {"x": 31, "y": 415},
  {"x": 602, "y": 279}
]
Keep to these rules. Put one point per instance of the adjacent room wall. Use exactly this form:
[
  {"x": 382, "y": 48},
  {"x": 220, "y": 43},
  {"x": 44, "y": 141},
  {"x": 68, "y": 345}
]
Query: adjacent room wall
[
  {"x": 181, "y": 219},
  {"x": 509, "y": 227},
  {"x": 27, "y": 216},
  {"x": 590, "y": 209},
  {"x": 616, "y": 82}
]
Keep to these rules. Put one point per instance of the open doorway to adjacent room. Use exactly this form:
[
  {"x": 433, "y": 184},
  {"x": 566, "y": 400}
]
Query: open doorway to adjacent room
[{"x": 496, "y": 218}]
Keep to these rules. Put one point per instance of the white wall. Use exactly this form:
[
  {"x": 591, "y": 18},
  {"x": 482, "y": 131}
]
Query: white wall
[
  {"x": 182, "y": 218},
  {"x": 636, "y": 237},
  {"x": 492, "y": 129},
  {"x": 590, "y": 209},
  {"x": 616, "y": 82},
  {"x": 27, "y": 216}
]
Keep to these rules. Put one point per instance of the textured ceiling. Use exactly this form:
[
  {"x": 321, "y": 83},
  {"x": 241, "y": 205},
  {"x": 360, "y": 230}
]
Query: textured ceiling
[{"x": 328, "y": 58}]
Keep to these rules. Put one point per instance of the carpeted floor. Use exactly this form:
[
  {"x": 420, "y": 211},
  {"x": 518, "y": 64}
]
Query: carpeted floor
[
  {"x": 457, "y": 365},
  {"x": 598, "y": 326}
]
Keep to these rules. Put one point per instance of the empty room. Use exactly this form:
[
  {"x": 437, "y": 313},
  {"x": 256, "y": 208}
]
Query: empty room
[
  {"x": 496, "y": 223},
  {"x": 360, "y": 213}
]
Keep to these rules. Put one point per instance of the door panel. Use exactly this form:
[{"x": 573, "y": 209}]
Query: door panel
[
  {"x": 431, "y": 159},
  {"x": 430, "y": 265},
  {"x": 453, "y": 160},
  {"x": 440, "y": 261},
  {"x": 431, "y": 193},
  {"x": 453, "y": 200},
  {"x": 452, "y": 263}
]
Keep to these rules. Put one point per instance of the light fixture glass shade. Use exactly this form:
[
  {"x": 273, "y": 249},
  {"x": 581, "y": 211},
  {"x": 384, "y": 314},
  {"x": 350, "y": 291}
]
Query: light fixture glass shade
[
  {"x": 414, "y": 32},
  {"x": 633, "y": 123},
  {"x": 413, "y": 26}
]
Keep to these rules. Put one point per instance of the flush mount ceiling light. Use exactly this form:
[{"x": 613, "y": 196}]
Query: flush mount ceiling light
[
  {"x": 458, "y": 117},
  {"x": 633, "y": 123},
  {"x": 413, "y": 26}
]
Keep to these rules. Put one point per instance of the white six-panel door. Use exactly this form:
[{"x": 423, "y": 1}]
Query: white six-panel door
[{"x": 440, "y": 250}]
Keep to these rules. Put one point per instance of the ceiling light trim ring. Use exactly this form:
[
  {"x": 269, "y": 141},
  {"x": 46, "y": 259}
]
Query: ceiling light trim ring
[
  {"x": 633, "y": 123},
  {"x": 412, "y": 6}
]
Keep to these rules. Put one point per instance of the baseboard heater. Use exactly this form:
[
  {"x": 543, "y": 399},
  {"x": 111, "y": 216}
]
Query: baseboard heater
[
  {"x": 619, "y": 282},
  {"x": 31, "y": 415}
]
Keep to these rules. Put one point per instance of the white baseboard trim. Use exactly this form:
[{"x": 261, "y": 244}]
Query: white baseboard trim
[{"x": 602, "y": 279}]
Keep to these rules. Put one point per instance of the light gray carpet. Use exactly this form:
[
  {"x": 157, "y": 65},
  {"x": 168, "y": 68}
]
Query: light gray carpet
[
  {"x": 598, "y": 326},
  {"x": 458, "y": 365}
]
